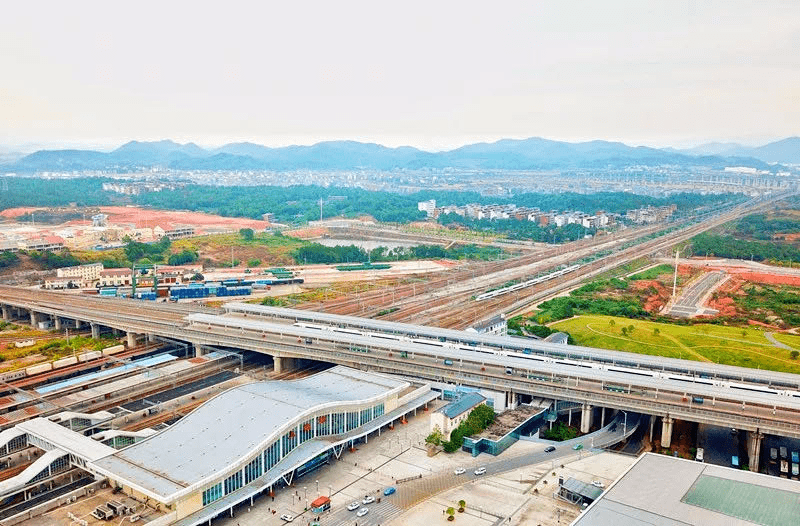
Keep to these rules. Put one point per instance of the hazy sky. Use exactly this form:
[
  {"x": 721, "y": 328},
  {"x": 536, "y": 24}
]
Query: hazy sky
[{"x": 432, "y": 74}]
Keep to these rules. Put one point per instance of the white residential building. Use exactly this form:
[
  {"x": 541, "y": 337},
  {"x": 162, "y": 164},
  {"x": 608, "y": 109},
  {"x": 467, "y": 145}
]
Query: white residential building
[{"x": 87, "y": 273}]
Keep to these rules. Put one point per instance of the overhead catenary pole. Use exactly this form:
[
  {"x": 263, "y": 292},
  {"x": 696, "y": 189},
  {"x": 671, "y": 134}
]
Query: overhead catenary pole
[{"x": 675, "y": 277}]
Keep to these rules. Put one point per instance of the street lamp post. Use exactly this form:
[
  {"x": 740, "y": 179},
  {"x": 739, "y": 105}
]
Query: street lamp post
[
  {"x": 317, "y": 487},
  {"x": 625, "y": 423}
]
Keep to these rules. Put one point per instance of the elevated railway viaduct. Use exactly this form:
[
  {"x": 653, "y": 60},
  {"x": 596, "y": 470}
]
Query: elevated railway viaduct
[{"x": 762, "y": 402}]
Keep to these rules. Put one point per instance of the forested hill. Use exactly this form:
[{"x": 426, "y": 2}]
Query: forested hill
[
  {"x": 297, "y": 204},
  {"x": 509, "y": 154}
]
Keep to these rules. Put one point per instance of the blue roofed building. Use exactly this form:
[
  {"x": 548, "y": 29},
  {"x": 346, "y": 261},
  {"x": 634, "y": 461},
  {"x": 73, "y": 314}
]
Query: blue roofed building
[{"x": 448, "y": 417}]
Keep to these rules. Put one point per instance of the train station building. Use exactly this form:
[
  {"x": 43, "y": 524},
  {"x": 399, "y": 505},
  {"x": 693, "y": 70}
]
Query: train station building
[{"x": 248, "y": 440}]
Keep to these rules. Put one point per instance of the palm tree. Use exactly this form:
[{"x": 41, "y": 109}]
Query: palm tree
[
  {"x": 451, "y": 513},
  {"x": 461, "y": 505}
]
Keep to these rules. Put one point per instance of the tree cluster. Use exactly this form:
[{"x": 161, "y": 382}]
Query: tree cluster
[
  {"x": 728, "y": 246},
  {"x": 479, "y": 419},
  {"x": 154, "y": 252}
]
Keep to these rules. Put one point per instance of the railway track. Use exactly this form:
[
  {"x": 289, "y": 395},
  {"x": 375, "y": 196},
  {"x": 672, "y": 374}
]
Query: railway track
[
  {"x": 482, "y": 275},
  {"x": 441, "y": 302}
]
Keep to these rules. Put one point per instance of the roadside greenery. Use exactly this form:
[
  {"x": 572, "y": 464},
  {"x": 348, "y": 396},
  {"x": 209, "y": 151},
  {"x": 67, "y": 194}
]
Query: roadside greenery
[
  {"x": 581, "y": 301},
  {"x": 560, "y": 432}
]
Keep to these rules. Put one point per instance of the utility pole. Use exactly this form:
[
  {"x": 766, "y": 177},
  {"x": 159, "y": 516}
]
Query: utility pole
[{"x": 675, "y": 277}]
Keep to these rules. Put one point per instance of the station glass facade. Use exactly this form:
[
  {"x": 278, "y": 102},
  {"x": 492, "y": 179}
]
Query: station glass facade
[{"x": 325, "y": 424}]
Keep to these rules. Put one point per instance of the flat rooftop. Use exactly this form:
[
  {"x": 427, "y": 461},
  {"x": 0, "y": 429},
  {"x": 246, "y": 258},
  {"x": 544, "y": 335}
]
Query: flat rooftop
[
  {"x": 507, "y": 421},
  {"x": 232, "y": 425},
  {"x": 662, "y": 491}
]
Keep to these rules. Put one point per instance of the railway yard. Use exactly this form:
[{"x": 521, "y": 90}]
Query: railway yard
[
  {"x": 180, "y": 356},
  {"x": 449, "y": 301},
  {"x": 126, "y": 395}
]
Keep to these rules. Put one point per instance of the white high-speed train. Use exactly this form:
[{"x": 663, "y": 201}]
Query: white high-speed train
[
  {"x": 529, "y": 283},
  {"x": 528, "y": 355}
]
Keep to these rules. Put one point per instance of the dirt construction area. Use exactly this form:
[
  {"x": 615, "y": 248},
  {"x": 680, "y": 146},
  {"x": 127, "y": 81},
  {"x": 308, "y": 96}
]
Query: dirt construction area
[{"x": 147, "y": 218}]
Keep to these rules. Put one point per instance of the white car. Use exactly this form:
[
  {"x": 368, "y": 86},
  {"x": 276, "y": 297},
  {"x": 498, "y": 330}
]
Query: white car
[
  {"x": 362, "y": 512},
  {"x": 353, "y": 506},
  {"x": 597, "y": 484},
  {"x": 286, "y": 517},
  {"x": 460, "y": 471},
  {"x": 369, "y": 499},
  {"x": 480, "y": 471}
]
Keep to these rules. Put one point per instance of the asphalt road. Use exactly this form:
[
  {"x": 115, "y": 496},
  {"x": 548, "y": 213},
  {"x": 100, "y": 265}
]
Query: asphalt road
[
  {"x": 411, "y": 493},
  {"x": 687, "y": 304},
  {"x": 718, "y": 444}
]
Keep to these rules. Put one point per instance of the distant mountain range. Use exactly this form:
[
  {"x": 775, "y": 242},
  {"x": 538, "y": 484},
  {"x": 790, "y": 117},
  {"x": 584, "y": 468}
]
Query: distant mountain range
[
  {"x": 533, "y": 153},
  {"x": 786, "y": 151}
]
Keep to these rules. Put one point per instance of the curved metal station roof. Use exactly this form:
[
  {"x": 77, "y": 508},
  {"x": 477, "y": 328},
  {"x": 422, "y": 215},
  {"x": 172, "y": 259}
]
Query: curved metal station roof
[{"x": 232, "y": 426}]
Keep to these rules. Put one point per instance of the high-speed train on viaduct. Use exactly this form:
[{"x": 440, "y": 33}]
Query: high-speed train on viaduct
[{"x": 567, "y": 363}]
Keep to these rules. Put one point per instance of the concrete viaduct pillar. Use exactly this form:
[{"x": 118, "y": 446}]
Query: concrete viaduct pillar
[
  {"x": 754, "y": 439},
  {"x": 78, "y": 324},
  {"x": 6, "y": 313},
  {"x": 131, "y": 339},
  {"x": 586, "y": 418},
  {"x": 511, "y": 400},
  {"x": 283, "y": 364},
  {"x": 95, "y": 331},
  {"x": 34, "y": 318},
  {"x": 666, "y": 432},
  {"x": 57, "y": 322}
]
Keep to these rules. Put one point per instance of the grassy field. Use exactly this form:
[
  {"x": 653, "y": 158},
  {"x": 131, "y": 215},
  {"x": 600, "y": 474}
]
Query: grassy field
[
  {"x": 271, "y": 250},
  {"x": 745, "y": 347}
]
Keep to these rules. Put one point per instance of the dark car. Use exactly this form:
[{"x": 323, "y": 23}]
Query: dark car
[
  {"x": 549, "y": 449},
  {"x": 614, "y": 427}
]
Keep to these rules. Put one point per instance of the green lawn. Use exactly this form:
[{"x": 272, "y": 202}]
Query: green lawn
[{"x": 711, "y": 343}]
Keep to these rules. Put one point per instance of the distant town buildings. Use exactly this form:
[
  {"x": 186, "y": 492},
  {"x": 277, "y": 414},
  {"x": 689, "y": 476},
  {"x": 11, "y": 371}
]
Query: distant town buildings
[
  {"x": 429, "y": 207},
  {"x": 520, "y": 213},
  {"x": 650, "y": 214},
  {"x": 137, "y": 188}
]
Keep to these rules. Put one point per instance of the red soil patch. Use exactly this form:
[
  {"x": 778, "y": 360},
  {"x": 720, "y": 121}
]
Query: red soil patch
[
  {"x": 11, "y": 213},
  {"x": 761, "y": 324},
  {"x": 142, "y": 218},
  {"x": 725, "y": 305},
  {"x": 447, "y": 263},
  {"x": 769, "y": 279},
  {"x": 655, "y": 301},
  {"x": 787, "y": 237},
  {"x": 307, "y": 233}
]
